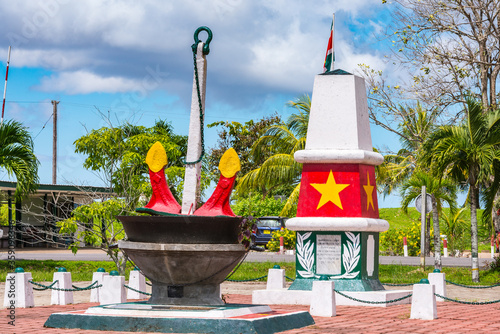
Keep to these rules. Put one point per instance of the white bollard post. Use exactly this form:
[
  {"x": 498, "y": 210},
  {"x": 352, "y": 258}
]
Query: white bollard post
[
  {"x": 59, "y": 297},
  {"x": 405, "y": 247},
  {"x": 445, "y": 247},
  {"x": 438, "y": 279},
  {"x": 113, "y": 289},
  {"x": 18, "y": 290},
  {"x": 136, "y": 281},
  {"x": 323, "y": 299},
  {"x": 96, "y": 292},
  {"x": 423, "y": 301},
  {"x": 276, "y": 278}
]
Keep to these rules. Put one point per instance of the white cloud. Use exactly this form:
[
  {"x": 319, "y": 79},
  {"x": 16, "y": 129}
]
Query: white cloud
[{"x": 82, "y": 82}]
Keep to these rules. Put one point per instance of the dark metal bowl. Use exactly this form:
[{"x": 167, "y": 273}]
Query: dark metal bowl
[{"x": 182, "y": 229}]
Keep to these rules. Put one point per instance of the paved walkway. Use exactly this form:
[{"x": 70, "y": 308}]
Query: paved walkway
[{"x": 453, "y": 318}]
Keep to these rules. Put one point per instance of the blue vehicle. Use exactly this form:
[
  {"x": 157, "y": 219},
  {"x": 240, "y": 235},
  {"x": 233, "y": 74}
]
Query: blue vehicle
[{"x": 265, "y": 226}]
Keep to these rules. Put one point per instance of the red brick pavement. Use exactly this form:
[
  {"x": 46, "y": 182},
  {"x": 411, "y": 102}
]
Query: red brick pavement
[{"x": 453, "y": 318}]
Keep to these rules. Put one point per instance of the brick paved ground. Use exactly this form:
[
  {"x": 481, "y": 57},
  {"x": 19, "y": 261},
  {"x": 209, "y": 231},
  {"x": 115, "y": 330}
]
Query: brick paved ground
[{"x": 453, "y": 318}]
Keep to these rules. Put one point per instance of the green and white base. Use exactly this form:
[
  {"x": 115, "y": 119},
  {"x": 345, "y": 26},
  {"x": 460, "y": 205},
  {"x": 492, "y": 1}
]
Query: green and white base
[
  {"x": 144, "y": 317},
  {"x": 350, "y": 259}
]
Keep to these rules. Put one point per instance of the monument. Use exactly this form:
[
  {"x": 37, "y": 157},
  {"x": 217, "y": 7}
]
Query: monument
[
  {"x": 337, "y": 220},
  {"x": 185, "y": 251}
]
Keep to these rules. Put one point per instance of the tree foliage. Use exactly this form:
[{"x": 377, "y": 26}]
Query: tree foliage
[
  {"x": 241, "y": 137},
  {"x": 17, "y": 157},
  {"x": 119, "y": 153}
]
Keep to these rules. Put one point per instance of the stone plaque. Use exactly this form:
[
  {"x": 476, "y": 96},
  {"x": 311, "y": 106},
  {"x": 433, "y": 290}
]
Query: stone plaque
[{"x": 328, "y": 251}]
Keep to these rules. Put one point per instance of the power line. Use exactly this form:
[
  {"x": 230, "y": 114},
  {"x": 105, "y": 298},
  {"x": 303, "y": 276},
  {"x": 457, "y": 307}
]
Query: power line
[{"x": 43, "y": 127}]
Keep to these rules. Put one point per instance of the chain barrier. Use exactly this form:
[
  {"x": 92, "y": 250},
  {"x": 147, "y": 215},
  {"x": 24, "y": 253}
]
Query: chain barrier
[
  {"x": 144, "y": 293},
  {"x": 465, "y": 302},
  {"x": 75, "y": 288},
  {"x": 289, "y": 278},
  {"x": 45, "y": 287},
  {"x": 206, "y": 50},
  {"x": 396, "y": 284},
  {"x": 473, "y": 286},
  {"x": 373, "y": 302},
  {"x": 245, "y": 280},
  {"x": 149, "y": 283}
]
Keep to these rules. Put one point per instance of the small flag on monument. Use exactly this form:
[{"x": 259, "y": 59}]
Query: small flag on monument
[{"x": 330, "y": 54}]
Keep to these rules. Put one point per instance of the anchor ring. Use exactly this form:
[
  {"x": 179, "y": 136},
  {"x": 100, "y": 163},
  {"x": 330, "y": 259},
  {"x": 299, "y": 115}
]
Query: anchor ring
[{"x": 206, "y": 47}]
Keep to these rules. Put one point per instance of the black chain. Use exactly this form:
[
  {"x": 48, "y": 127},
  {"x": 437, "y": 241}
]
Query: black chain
[
  {"x": 373, "y": 302},
  {"x": 464, "y": 302},
  {"x": 144, "y": 293},
  {"x": 473, "y": 286},
  {"x": 395, "y": 284},
  {"x": 51, "y": 286},
  {"x": 200, "y": 106},
  {"x": 245, "y": 280}
]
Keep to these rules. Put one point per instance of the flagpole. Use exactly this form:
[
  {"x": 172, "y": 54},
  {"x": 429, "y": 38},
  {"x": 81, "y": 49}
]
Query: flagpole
[
  {"x": 333, "y": 42},
  {"x": 5, "y": 87}
]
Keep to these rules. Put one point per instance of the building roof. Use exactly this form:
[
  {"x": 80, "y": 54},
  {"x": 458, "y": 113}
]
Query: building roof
[{"x": 69, "y": 190}]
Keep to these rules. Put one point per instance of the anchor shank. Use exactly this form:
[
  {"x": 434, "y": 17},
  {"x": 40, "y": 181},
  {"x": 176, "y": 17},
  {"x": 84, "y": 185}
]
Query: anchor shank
[{"x": 192, "y": 175}]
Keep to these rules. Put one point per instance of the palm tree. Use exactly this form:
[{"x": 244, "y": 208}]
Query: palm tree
[
  {"x": 414, "y": 130},
  {"x": 280, "y": 169},
  {"x": 467, "y": 153},
  {"x": 17, "y": 157},
  {"x": 440, "y": 190}
]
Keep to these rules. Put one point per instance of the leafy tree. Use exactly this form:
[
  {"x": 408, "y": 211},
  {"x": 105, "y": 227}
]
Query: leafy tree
[
  {"x": 450, "y": 47},
  {"x": 17, "y": 157},
  {"x": 280, "y": 171},
  {"x": 96, "y": 225},
  {"x": 257, "y": 206},
  {"x": 467, "y": 153},
  {"x": 455, "y": 227},
  {"x": 119, "y": 154},
  {"x": 241, "y": 137}
]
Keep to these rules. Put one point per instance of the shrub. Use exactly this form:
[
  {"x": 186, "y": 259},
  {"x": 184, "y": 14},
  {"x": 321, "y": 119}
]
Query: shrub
[
  {"x": 391, "y": 241},
  {"x": 289, "y": 239}
]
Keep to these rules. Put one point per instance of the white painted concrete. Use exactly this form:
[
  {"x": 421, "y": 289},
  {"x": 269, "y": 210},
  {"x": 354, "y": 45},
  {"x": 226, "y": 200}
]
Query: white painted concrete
[
  {"x": 95, "y": 293},
  {"x": 59, "y": 297},
  {"x": 136, "y": 281},
  {"x": 323, "y": 299},
  {"x": 147, "y": 310},
  {"x": 276, "y": 279},
  {"x": 423, "y": 305},
  {"x": 113, "y": 290},
  {"x": 193, "y": 172},
  {"x": 439, "y": 281},
  {"x": 282, "y": 297},
  {"x": 339, "y": 114},
  {"x": 352, "y": 224},
  {"x": 18, "y": 291},
  {"x": 339, "y": 157},
  {"x": 370, "y": 255},
  {"x": 303, "y": 297}
]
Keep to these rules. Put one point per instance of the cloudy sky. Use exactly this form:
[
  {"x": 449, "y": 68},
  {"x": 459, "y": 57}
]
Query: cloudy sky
[{"x": 132, "y": 60}]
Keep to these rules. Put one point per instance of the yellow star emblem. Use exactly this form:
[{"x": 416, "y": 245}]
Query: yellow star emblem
[
  {"x": 329, "y": 191},
  {"x": 369, "y": 193}
]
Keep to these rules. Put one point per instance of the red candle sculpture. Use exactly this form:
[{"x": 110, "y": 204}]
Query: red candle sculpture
[
  {"x": 162, "y": 201},
  {"x": 218, "y": 203}
]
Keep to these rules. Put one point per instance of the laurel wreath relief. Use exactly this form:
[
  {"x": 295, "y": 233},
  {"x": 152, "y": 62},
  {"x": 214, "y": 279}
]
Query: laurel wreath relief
[{"x": 350, "y": 256}]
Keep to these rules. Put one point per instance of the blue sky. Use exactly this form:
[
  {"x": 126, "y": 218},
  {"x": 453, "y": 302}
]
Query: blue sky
[{"x": 132, "y": 61}]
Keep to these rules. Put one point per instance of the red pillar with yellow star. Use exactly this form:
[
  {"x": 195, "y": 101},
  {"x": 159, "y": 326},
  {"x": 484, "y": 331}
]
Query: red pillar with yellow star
[{"x": 337, "y": 220}]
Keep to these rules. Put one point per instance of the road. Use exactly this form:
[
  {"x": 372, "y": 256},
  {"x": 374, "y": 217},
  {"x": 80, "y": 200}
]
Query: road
[{"x": 99, "y": 255}]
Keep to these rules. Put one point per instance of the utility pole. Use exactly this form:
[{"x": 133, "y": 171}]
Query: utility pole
[{"x": 54, "y": 142}]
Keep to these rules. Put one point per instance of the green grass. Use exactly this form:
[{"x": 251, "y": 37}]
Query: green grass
[
  {"x": 398, "y": 219},
  {"x": 82, "y": 271}
]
